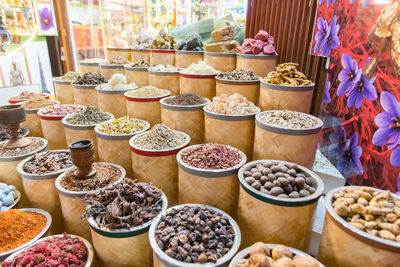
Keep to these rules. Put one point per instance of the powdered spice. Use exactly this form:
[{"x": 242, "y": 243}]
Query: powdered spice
[{"x": 186, "y": 99}]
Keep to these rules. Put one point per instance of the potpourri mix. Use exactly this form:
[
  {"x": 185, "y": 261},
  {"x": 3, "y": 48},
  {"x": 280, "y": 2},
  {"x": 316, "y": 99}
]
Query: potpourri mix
[{"x": 287, "y": 74}]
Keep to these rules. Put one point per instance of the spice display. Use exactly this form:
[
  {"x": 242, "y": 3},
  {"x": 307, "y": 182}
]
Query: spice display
[
  {"x": 281, "y": 180},
  {"x": 122, "y": 125},
  {"x": 8, "y": 195},
  {"x": 105, "y": 175},
  {"x": 160, "y": 137},
  {"x": 235, "y": 104},
  {"x": 38, "y": 102},
  {"x": 62, "y": 250},
  {"x": 61, "y": 110},
  {"x": 279, "y": 256},
  {"x": 186, "y": 99},
  {"x": 117, "y": 60},
  {"x": 148, "y": 91},
  {"x": 199, "y": 68},
  {"x": 89, "y": 116},
  {"x": 48, "y": 162},
  {"x": 224, "y": 47},
  {"x": 377, "y": 213},
  {"x": 211, "y": 156},
  {"x": 34, "y": 145},
  {"x": 194, "y": 234},
  {"x": 262, "y": 44},
  {"x": 287, "y": 74},
  {"x": 25, "y": 95},
  {"x": 5, "y": 133},
  {"x": 288, "y": 119},
  {"x": 117, "y": 82},
  {"x": 238, "y": 75},
  {"x": 142, "y": 41},
  {"x": 94, "y": 60},
  {"x": 90, "y": 79},
  {"x": 140, "y": 64},
  {"x": 69, "y": 77},
  {"x": 192, "y": 43},
  {"x": 124, "y": 205},
  {"x": 163, "y": 41},
  {"x": 18, "y": 227},
  {"x": 162, "y": 68}
]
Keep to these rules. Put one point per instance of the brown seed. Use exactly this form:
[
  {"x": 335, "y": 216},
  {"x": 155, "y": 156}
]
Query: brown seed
[
  {"x": 256, "y": 185},
  {"x": 276, "y": 191},
  {"x": 299, "y": 181},
  {"x": 257, "y": 175},
  {"x": 292, "y": 172},
  {"x": 250, "y": 180},
  {"x": 311, "y": 190},
  {"x": 304, "y": 193},
  {"x": 276, "y": 183},
  {"x": 280, "y": 174},
  {"x": 283, "y": 181},
  {"x": 263, "y": 179},
  {"x": 253, "y": 170},
  {"x": 275, "y": 169},
  {"x": 271, "y": 177},
  {"x": 247, "y": 173},
  {"x": 266, "y": 171},
  {"x": 268, "y": 185},
  {"x": 283, "y": 196},
  {"x": 294, "y": 194}
]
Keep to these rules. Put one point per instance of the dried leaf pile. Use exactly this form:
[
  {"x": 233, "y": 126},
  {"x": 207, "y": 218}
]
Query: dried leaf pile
[{"x": 287, "y": 74}]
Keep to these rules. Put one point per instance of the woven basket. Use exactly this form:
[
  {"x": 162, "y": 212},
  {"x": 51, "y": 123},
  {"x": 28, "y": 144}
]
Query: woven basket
[
  {"x": 188, "y": 119},
  {"x": 42, "y": 194},
  {"x": 217, "y": 188},
  {"x": 64, "y": 92},
  {"x": 85, "y": 95},
  {"x": 114, "y": 148},
  {"x": 281, "y": 97},
  {"x": 289, "y": 220},
  {"x": 293, "y": 145},
  {"x": 184, "y": 59},
  {"x": 163, "y": 57},
  {"x": 112, "y": 101},
  {"x": 148, "y": 109},
  {"x": 85, "y": 67},
  {"x": 12, "y": 101},
  {"x": 122, "y": 52},
  {"x": 109, "y": 70},
  {"x": 139, "y": 76},
  {"x": 201, "y": 84},
  {"x": 260, "y": 65},
  {"x": 73, "y": 207},
  {"x": 158, "y": 167},
  {"x": 165, "y": 80},
  {"x": 137, "y": 55},
  {"x": 344, "y": 245},
  {"x": 248, "y": 89},
  {"x": 32, "y": 121},
  {"x": 221, "y": 61}
]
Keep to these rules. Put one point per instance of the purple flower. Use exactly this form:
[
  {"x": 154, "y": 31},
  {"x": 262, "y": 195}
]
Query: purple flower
[
  {"x": 338, "y": 138},
  {"x": 46, "y": 19},
  {"x": 322, "y": 34},
  {"x": 328, "y": 2},
  {"x": 327, "y": 97},
  {"x": 362, "y": 88},
  {"x": 350, "y": 159},
  {"x": 364, "y": 3},
  {"x": 348, "y": 75},
  {"x": 332, "y": 40}
]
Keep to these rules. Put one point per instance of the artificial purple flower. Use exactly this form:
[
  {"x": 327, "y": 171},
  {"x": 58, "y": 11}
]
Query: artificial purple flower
[
  {"x": 338, "y": 139},
  {"x": 362, "y": 88},
  {"x": 364, "y": 2},
  {"x": 328, "y": 2},
  {"x": 332, "y": 40},
  {"x": 348, "y": 75},
  {"x": 350, "y": 159},
  {"x": 327, "y": 97},
  {"x": 46, "y": 19},
  {"x": 322, "y": 34}
]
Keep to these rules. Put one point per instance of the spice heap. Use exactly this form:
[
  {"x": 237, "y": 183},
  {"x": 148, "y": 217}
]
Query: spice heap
[
  {"x": 238, "y": 75},
  {"x": 117, "y": 82},
  {"x": 48, "y": 162},
  {"x": 192, "y": 43},
  {"x": 89, "y": 116},
  {"x": 186, "y": 99},
  {"x": 35, "y": 144},
  {"x": 25, "y": 95},
  {"x": 5, "y": 133},
  {"x": 287, "y": 74},
  {"x": 18, "y": 227},
  {"x": 194, "y": 234},
  {"x": 124, "y": 205},
  {"x": 211, "y": 156},
  {"x": 94, "y": 60},
  {"x": 90, "y": 79},
  {"x": 288, "y": 119},
  {"x": 142, "y": 41},
  {"x": 148, "y": 91},
  {"x": 163, "y": 41},
  {"x": 281, "y": 180},
  {"x": 279, "y": 256},
  {"x": 262, "y": 44},
  {"x": 61, "y": 110},
  {"x": 377, "y": 213},
  {"x": 38, "y": 102},
  {"x": 54, "y": 251},
  {"x": 105, "y": 175},
  {"x": 123, "y": 125},
  {"x": 160, "y": 137},
  {"x": 140, "y": 64},
  {"x": 117, "y": 60},
  {"x": 235, "y": 104},
  {"x": 199, "y": 68},
  {"x": 223, "y": 41},
  {"x": 69, "y": 77},
  {"x": 8, "y": 195},
  {"x": 162, "y": 68}
]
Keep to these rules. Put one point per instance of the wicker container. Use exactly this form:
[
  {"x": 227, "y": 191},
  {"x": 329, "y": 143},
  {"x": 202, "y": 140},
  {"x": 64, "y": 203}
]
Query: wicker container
[
  {"x": 201, "y": 84},
  {"x": 145, "y": 108},
  {"x": 109, "y": 70},
  {"x": 11, "y": 101},
  {"x": 184, "y": 59},
  {"x": 139, "y": 76},
  {"x": 64, "y": 92},
  {"x": 122, "y": 52},
  {"x": 115, "y": 148},
  {"x": 73, "y": 207},
  {"x": 293, "y": 145},
  {"x": 160, "y": 259},
  {"x": 122, "y": 247},
  {"x": 42, "y": 194},
  {"x": 139, "y": 54},
  {"x": 165, "y": 80},
  {"x": 85, "y": 67},
  {"x": 260, "y": 65},
  {"x": 85, "y": 95},
  {"x": 188, "y": 119},
  {"x": 289, "y": 219},
  {"x": 158, "y": 167},
  {"x": 248, "y": 89},
  {"x": 221, "y": 61},
  {"x": 112, "y": 101},
  {"x": 344, "y": 245},
  {"x": 5, "y": 255},
  {"x": 162, "y": 56},
  {"x": 296, "y": 98}
]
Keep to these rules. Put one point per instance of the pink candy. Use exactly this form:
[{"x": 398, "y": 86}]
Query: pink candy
[{"x": 262, "y": 44}]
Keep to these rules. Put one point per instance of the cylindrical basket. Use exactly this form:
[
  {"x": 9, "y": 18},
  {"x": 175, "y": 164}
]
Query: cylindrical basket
[
  {"x": 260, "y": 65},
  {"x": 248, "y": 89},
  {"x": 139, "y": 76},
  {"x": 138, "y": 54},
  {"x": 112, "y": 101},
  {"x": 283, "y": 97},
  {"x": 184, "y": 59},
  {"x": 201, "y": 84},
  {"x": 85, "y": 95},
  {"x": 344, "y": 245},
  {"x": 292, "y": 145},
  {"x": 158, "y": 167},
  {"x": 109, "y": 70},
  {"x": 64, "y": 92},
  {"x": 221, "y": 61},
  {"x": 147, "y": 109},
  {"x": 85, "y": 67},
  {"x": 163, "y": 57},
  {"x": 115, "y": 51},
  {"x": 289, "y": 220},
  {"x": 165, "y": 80},
  {"x": 188, "y": 119}
]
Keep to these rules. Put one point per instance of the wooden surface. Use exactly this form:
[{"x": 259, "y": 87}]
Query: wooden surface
[
  {"x": 85, "y": 97},
  {"x": 140, "y": 78},
  {"x": 116, "y": 151},
  {"x": 202, "y": 87},
  {"x": 148, "y": 111},
  {"x": 64, "y": 93},
  {"x": 32, "y": 122},
  {"x": 53, "y": 132},
  {"x": 170, "y": 83}
]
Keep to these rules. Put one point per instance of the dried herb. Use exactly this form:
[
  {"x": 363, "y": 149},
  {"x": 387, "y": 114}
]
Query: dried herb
[
  {"x": 48, "y": 162},
  {"x": 89, "y": 116},
  {"x": 90, "y": 79},
  {"x": 289, "y": 119},
  {"x": 160, "y": 137},
  {"x": 287, "y": 74},
  {"x": 238, "y": 75}
]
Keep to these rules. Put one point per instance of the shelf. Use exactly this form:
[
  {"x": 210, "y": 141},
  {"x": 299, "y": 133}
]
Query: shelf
[{"x": 16, "y": 9}]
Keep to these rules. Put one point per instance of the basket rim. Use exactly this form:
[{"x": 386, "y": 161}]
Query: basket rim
[
  {"x": 252, "y": 56},
  {"x": 151, "y": 99},
  {"x": 81, "y": 126},
  {"x": 230, "y": 117},
  {"x": 282, "y": 87},
  {"x": 34, "y": 111},
  {"x": 181, "y": 107},
  {"x": 238, "y": 82}
]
